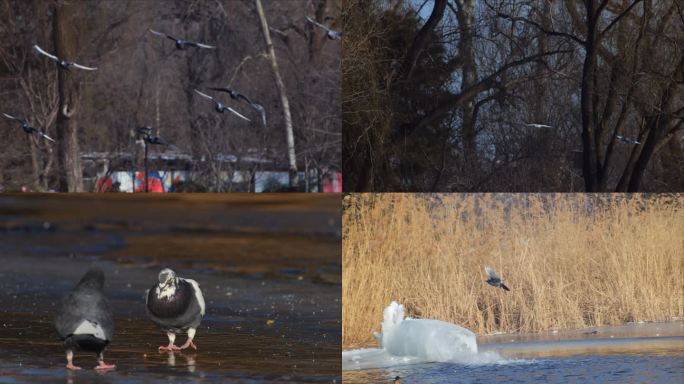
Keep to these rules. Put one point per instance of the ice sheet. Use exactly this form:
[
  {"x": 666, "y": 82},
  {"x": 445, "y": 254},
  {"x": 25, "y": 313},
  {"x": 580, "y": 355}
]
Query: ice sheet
[{"x": 412, "y": 341}]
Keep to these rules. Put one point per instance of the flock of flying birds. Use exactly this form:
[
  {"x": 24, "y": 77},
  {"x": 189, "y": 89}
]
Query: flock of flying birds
[
  {"x": 84, "y": 320},
  {"x": 181, "y": 44}
]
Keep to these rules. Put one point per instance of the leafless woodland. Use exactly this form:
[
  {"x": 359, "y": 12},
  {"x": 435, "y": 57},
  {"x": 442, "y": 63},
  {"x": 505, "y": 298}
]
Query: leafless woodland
[
  {"x": 443, "y": 95},
  {"x": 143, "y": 80}
]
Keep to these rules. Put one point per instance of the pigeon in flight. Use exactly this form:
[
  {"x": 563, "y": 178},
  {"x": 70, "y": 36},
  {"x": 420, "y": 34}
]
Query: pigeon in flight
[
  {"x": 182, "y": 44},
  {"x": 627, "y": 140},
  {"x": 63, "y": 63},
  {"x": 220, "y": 107},
  {"x": 533, "y": 125},
  {"x": 332, "y": 35},
  {"x": 84, "y": 321},
  {"x": 175, "y": 304},
  {"x": 494, "y": 280},
  {"x": 28, "y": 128},
  {"x": 235, "y": 95}
]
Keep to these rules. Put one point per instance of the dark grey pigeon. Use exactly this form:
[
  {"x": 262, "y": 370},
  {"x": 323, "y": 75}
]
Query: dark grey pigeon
[
  {"x": 180, "y": 43},
  {"x": 63, "y": 63},
  {"x": 494, "y": 280},
  {"x": 235, "y": 95},
  {"x": 84, "y": 321},
  {"x": 220, "y": 107},
  {"x": 28, "y": 128},
  {"x": 628, "y": 140},
  {"x": 176, "y": 305}
]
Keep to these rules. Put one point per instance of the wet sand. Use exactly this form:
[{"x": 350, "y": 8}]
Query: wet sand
[{"x": 269, "y": 270}]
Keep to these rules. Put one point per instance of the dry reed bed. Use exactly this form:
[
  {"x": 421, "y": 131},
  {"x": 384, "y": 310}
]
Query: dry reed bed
[{"x": 571, "y": 260}]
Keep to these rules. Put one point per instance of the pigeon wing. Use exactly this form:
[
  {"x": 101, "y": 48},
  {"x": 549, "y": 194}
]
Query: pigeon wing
[
  {"x": 80, "y": 305},
  {"x": 490, "y": 273},
  {"x": 53, "y": 57},
  {"x": 84, "y": 67},
  {"x": 12, "y": 117},
  {"x": 314, "y": 22},
  {"x": 238, "y": 114},
  {"x": 205, "y": 46},
  {"x": 205, "y": 95},
  {"x": 46, "y": 136}
]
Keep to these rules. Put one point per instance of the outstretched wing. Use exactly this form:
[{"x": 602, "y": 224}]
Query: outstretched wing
[
  {"x": 46, "y": 136},
  {"x": 205, "y": 95},
  {"x": 39, "y": 49},
  {"x": 490, "y": 273},
  {"x": 205, "y": 46},
  {"x": 238, "y": 113},
  {"x": 84, "y": 67},
  {"x": 13, "y": 118},
  {"x": 162, "y": 34},
  {"x": 314, "y": 22},
  {"x": 245, "y": 98}
]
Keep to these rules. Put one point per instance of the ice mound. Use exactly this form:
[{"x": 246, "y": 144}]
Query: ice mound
[
  {"x": 411, "y": 341},
  {"x": 432, "y": 340}
]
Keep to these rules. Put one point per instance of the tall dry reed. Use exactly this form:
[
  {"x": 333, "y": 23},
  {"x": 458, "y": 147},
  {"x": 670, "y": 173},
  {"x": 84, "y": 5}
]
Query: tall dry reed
[{"x": 571, "y": 260}]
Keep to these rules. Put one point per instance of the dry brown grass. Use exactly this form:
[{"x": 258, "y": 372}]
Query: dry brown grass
[{"x": 566, "y": 267}]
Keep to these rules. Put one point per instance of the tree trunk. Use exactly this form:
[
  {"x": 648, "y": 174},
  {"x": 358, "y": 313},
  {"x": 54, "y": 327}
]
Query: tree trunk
[
  {"x": 587, "y": 103},
  {"x": 466, "y": 18},
  {"x": 65, "y": 36},
  {"x": 291, "y": 155}
]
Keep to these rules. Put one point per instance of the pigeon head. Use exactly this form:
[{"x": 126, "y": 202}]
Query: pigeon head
[
  {"x": 94, "y": 278},
  {"x": 167, "y": 277}
]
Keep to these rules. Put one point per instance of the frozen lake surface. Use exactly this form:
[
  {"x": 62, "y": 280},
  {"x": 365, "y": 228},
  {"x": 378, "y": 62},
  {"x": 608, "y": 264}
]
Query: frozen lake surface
[
  {"x": 636, "y": 353},
  {"x": 269, "y": 270}
]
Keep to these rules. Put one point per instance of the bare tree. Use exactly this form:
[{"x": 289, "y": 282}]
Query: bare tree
[{"x": 291, "y": 155}]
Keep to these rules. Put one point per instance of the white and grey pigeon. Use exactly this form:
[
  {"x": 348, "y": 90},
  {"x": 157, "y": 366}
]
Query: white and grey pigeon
[
  {"x": 84, "y": 321},
  {"x": 28, "y": 128},
  {"x": 220, "y": 107},
  {"x": 494, "y": 280},
  {"x": 175, "y": 304},
  {"x": 181, "y": 43},
  {"x": 63, "y": 63},
  {"x": 627, "y": 140},
  {"x": 534, "y": 125},
  {"x": 235, "y": 95},
  {"x": 332, "y": 34}
]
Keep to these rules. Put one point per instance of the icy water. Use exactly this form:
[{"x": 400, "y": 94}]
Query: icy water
[
  {"x": 269, "y": 268},
  {"x": 636, "y": 353}
]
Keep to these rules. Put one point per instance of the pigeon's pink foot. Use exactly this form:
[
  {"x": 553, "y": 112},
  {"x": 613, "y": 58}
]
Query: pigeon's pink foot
[
  {"x": 104, "y": 366},
  {"x": 72, "y": 367},
  {"x": 187, "y": 344},
  {"x": 168, "y": 348}
]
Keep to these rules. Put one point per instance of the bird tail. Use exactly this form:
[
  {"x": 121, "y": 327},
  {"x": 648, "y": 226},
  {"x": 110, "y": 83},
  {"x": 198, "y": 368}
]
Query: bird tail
[{"x": 504, "y": 287}]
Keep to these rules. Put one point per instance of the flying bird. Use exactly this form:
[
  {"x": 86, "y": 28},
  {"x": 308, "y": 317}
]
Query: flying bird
[
  {"x": 63, "y": 63},
  {"x": 182, "y": 44},
  {"x": 28, "y": 128},
  {"x": 220, "y": 107},
  {"x": 332, "y": 35},
  {"x": 84, "y": 321},
  {"x": 628, "y": 140},
  {"x": 533, "y": 125},
  {"x": 494, "y": 280},
  {"x": 235, "y": 95},
  {"x": 175, "y": 304}
]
